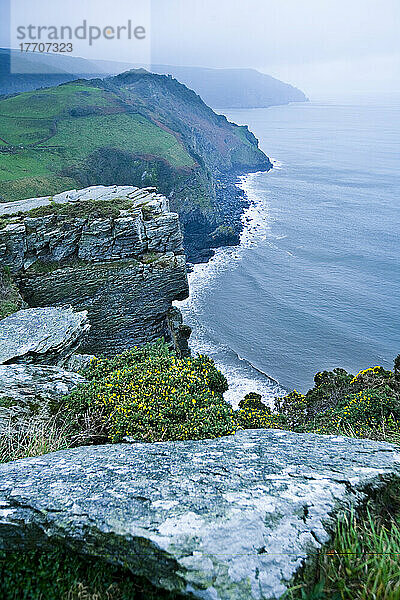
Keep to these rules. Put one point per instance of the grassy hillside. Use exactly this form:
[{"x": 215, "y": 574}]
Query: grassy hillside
[
  {"x": 44, "y": 132},
  {"x": 136, "y": 129}
]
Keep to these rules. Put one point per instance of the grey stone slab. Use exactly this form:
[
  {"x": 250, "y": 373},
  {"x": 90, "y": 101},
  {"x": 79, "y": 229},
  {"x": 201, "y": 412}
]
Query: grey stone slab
[
  {"x": 29, "y": 392},
  {"x": 225, "y": 519},
  {"x": 41, "y": 335}
]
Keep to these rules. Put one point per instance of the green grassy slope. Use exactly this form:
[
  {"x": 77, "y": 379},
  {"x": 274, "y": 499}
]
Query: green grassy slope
[
  {"x": 79, "y": 137},
  {"x": 43, "y": 133},
  {"x": 136, "y": 129}
]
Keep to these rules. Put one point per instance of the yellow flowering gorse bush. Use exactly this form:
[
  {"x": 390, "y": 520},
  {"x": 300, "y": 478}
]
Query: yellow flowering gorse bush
[
  {"x": 149, "y": 394},
  {"x": 365, "y": 405}
]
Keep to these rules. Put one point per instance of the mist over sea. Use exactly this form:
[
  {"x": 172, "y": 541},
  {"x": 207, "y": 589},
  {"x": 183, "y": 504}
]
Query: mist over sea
[{"x": 315, "y": 283}]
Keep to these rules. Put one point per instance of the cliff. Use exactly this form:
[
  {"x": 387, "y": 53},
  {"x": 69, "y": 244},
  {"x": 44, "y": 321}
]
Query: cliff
[
  {"x": 238, "y": 88},
  {"x": 234, "y": 88},
  {"x": 116, "y": 252},
  {"x": 135, "y": 129}
]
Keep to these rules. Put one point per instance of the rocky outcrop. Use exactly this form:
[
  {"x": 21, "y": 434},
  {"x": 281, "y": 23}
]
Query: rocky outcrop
[
  {"x": 225, "y": 519},
  {"x": 77, "y": 362},
  {"x": 31, "y": 393},
  {"x": 41, "y": 335},
  {"x": 179, "y": 331},
  {"x": 115, "y": 251}
]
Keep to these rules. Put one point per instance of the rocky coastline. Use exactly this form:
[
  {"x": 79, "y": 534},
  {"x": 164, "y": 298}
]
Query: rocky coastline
[
  {"x": 135, "y": 460},
  {"x": 202, "y": 236}
]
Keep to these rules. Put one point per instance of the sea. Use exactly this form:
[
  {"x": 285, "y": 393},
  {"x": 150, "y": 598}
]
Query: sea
[{"x": 315, "y": 281}]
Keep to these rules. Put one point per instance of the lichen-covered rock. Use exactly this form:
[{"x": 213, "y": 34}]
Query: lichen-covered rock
[
  {"x": 125, "y": 265},
  {"x": 41, "y": 335},
  {"x": 144, "y": 225},
  {"x": 10, "y": 298},
  {"x": 179, "y": 331},
  {"x": 225, "y": 519},
  {"x": 31, "y": 392}
]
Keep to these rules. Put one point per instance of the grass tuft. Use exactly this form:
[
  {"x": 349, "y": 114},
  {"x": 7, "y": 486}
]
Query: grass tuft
[{"x": 38, "y": 438}]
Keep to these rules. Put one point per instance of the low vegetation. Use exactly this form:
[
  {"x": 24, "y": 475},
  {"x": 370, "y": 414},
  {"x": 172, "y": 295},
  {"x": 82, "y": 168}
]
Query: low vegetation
[
  {"x": 149, "y": 394},
  {"x": 10, "y": 299},
  {"x": 365, "y": 405},
  {"x": 48, "y": 135},
  {"x": 95, "y": 209},
  {"x": 60, "y": 574}
]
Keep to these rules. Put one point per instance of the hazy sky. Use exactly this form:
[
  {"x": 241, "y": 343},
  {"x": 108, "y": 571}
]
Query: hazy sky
[
  {"x": 319, "y": 45},
  {"x": 322, "y": 46}
]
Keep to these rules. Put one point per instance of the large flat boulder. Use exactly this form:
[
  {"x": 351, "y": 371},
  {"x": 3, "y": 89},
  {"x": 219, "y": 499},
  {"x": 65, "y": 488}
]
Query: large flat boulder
[
  {"x": 225, "y": 519},
  {"x": 41, "y": 335},
  {"x": 31, "y": 392}
]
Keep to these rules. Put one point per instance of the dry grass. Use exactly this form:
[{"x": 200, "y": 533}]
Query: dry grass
[
  {"x": 34, "y": 440},
  {"x": 81, "y": 591}
]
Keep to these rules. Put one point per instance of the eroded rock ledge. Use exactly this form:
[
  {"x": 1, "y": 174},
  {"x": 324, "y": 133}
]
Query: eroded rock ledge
[
  {"x": 225, "y": 519},
  {"x": 41, "y": 335},
  {"x": 124, "y": 265}
]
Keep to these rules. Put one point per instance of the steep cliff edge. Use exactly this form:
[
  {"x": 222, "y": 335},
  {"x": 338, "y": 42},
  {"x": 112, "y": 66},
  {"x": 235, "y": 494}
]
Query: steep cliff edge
[
  {"x": 234, "y": 88},
  {"x": 113, "y": 251},
  {"x": 136, "y": 129}
]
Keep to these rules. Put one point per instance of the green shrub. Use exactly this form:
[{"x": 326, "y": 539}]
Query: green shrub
[
  {"x": 151, "y": 395},
  {"x": 293, "y": 410},
  {"x": 367, "y": 411},
  {"x": 365, "y": 405},
  {"x": 254, "y": 414}
]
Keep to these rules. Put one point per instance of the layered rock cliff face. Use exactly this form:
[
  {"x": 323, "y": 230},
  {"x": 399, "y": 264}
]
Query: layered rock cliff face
[{"x": 113, "y": 251}]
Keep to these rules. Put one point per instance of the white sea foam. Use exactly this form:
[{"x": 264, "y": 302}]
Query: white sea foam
[
  {"x": 277, "y": 164},
  {"x": 242, "y": 376}
]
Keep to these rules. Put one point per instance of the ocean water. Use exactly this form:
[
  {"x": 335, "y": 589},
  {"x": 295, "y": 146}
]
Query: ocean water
[{"x": 315, "y": 283}]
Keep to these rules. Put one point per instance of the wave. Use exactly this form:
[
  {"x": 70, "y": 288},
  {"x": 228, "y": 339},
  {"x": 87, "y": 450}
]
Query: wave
[{"x": 243, "y": 377}]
